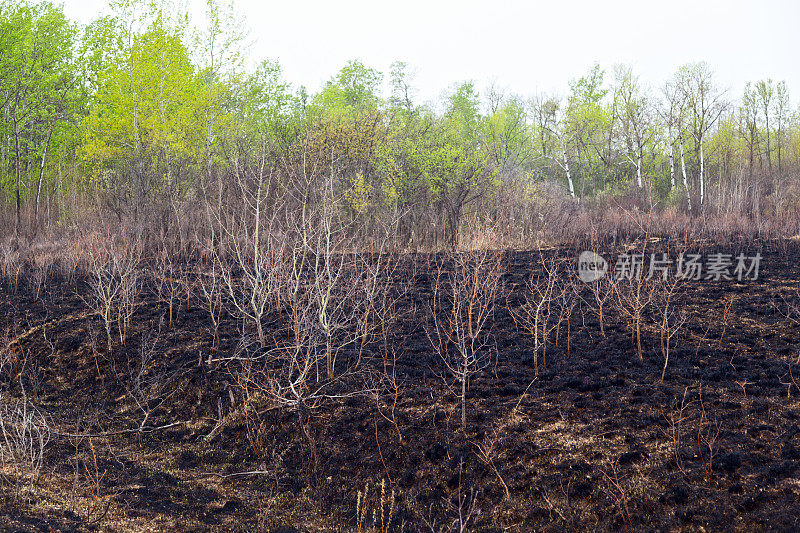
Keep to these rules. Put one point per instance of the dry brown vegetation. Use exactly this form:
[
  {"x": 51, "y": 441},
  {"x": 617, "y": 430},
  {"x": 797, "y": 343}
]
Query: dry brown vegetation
[
  {"x": 227, "y": 302},
  {"x": 269, "y": 367}
]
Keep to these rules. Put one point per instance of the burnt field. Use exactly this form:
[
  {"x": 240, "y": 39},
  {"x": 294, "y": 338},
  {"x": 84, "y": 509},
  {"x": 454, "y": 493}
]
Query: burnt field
[{"x": 488, "y": 392}]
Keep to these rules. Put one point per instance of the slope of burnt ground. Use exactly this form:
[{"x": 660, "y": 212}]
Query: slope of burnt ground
[{"x": 594, "y": 441}]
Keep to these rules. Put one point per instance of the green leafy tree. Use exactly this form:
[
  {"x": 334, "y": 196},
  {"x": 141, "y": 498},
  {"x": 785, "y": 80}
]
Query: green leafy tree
[
  {"x": 142, "y": 136},
  {"x": 38, "y": 87},
  {"x": 455, "y": 164},
  {"x": 587, "y": 125}
]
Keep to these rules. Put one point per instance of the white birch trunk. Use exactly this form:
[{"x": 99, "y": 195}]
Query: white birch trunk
[
  {"x": 702, "y": 174},
  {"x": 685, "y": 181},
  {"x": 671, "y": 161},
  {"x": 569, "y": 176},
  {"x": 43, "y": 162},
  {"x": 639, "y": 169}
]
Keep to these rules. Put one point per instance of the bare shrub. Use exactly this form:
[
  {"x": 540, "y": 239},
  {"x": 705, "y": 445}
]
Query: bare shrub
[
  {"x": 349, "y": 303},
  {"x": 90, "y": 477},
  {"x": 10, "y": 357},
  {"x": 332, "y": 302},
  {"x": 38, "y": 278},
  {"x": 691, "y": 422},
  {"x": 42, "y": 262},
  {"x": 327, "y": 306},
  {"x": 10, "y": 265},
  {"x": 487, "y": 452},
  {"x": 342, "y": 296},
  {"x": 150, "y": 381},
  {"x": 464, "y": 301},
  {"x": 677, "y": 417},
  {"x": 464, "y": 508},
  {"x": 708, "y": 431},
  {"x": 547, "y": 301},
  {"x": 384, "y": 387},
  {"x": 24, "y": 435},
  {"x": 380, "y": 291},
  {"x": 209, "y": 287},
  {"x": 789, "y": 307},
  {"x": 247, "y": 255},
  {"x": 24, "y": 429},
  {"x": 250, "y": 283},
  {"x": 168, "y": 280},
  {"x": 115, "y": 285},
  {"x": 601, "y": 291},
  {"x": 633, "y": 294},
  {"x": 669, "y": 317},
  {"x": 618, "y": 491},
  {"x": 71, "y": 261},
  {"x": 20, "y": 366}
]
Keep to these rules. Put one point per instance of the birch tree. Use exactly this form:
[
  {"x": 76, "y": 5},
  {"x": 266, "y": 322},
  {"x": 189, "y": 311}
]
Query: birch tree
[
  {"x": 142, "y": 135},
  {"x": 219, "y": 57},
  {"x": 782, "y": 112},
  {"x": 764, "y": 93},
  {"x": 555, "y": 136},
  {"x": 748, "y": 125},
  {"x": 36, "y": 81},
  {"x": 704, "y": 105},
  {"x": 671, "y": 113},
  {"x": 632, "y": 105},
  {"x": 588, "y": 120}
]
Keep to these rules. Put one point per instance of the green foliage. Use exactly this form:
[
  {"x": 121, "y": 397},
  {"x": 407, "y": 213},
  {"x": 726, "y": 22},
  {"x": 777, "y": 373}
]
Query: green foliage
[
  {"x": 143, "y": 124},
  {"x": 354, "y": 88},
  {"x": 39, "y": 91},
  {"x": 142, "y": 104}
]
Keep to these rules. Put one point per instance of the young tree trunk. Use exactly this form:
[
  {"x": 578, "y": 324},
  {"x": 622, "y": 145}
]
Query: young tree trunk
[
  {"x": 769, "y": 144},
  {"x": 671, "y": 165},
  {"x": 42, "y": 165},
  {"x": 566, "y": 169},
  {"x": 685, "y": 181},
  {"x": 19, "y": 173},
  {"x": 639, "y": 169},
  {"x": 464, "y": 399},
  {"x": 702, "y": 174}
]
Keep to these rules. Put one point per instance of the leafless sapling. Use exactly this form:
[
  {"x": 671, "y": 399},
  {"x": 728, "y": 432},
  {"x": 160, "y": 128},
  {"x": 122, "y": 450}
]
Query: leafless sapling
[{"x": 464, "y": 301}]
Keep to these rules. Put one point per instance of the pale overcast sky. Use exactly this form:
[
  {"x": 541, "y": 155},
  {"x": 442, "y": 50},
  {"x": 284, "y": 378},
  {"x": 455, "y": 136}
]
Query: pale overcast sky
[{"x": 525, "y": 47}]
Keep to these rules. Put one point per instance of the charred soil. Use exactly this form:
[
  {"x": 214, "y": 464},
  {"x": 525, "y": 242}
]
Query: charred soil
[{"x": 594, "y": 441}]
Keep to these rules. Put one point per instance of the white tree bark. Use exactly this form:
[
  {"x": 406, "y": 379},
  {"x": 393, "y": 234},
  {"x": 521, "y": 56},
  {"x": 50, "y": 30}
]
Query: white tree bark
[
  {"x": 639, "y": 169},
  {"x": 671, "y": 160},
  {"x": 566, "y": 169},
  {"x": 45, "y": 145},
  {"x": 671, "y": 167},
  {"x": 685, "y": 181},
  {"x": 702, "y": 174}
]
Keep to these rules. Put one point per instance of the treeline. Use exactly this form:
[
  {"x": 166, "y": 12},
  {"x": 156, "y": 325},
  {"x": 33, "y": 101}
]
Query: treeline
[{"x": 147, "y": 114}]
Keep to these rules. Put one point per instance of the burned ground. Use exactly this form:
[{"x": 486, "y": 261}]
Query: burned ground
[{"x": 595, "y": 441}]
